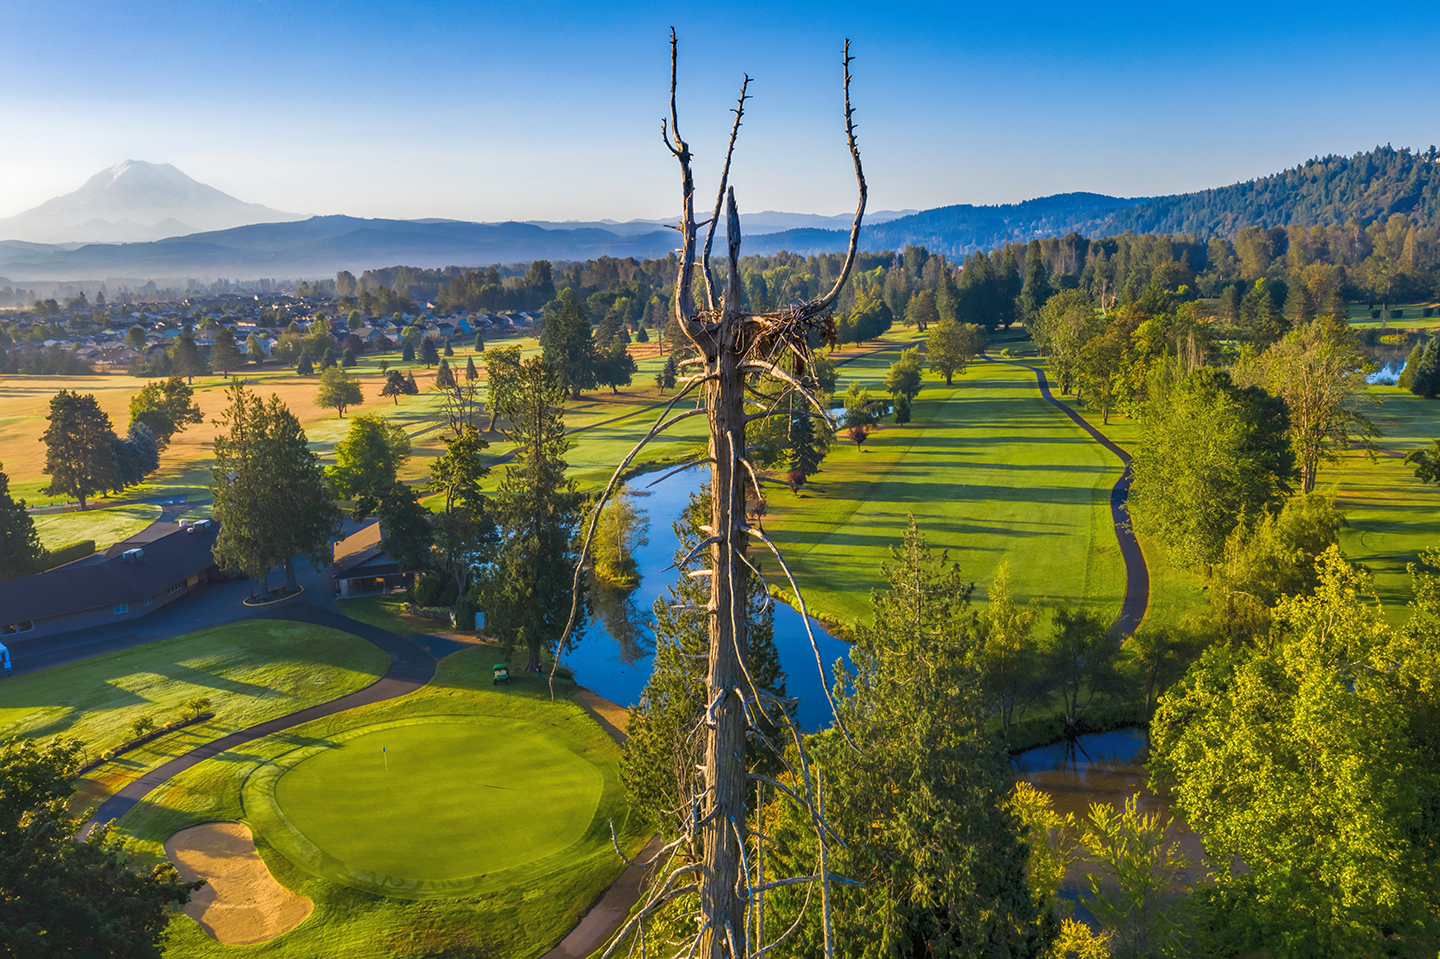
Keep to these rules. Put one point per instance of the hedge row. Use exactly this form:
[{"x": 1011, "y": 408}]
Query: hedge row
[{"x": 139, "y": 741}]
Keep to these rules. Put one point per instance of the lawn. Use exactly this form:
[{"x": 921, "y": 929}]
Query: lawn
[
  {"x": 526, "y": 907},
  {"x": 250, "y": 671},
  {"x": 105, "y": 526},
  {"x": 991, "y": 472}
]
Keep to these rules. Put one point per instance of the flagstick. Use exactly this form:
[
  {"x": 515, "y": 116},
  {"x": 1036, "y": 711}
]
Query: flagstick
[{"x": 386, "y": 758}]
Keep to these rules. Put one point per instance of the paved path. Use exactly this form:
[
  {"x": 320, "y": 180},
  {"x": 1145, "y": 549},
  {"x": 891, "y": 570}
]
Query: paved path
[
  {"x": 1137, "y": 573},
  {"x": 410, "y": 668}
]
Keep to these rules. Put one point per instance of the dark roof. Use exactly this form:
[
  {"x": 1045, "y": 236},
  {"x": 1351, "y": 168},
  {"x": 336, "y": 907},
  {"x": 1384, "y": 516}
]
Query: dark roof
[{"x": 171, "y": 559}]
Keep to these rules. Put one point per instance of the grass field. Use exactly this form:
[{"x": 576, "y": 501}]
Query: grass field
[
  {"x": 250, "y": 672},
  {"x": 105, "y": 526},
  {"x": 386, "y": 801},
  {"x": 990, "y": 471},
  {"x": 520, "y": 911}
]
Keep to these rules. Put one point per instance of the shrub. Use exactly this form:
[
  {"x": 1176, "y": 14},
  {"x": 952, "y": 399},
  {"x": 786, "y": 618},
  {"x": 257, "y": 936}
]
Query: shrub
[
  {"x": 1397, "y": 314},
  {"x": 194, "y": 707},
  {"x": 427, "y": 590},
  {"x": 1428, "y": 312},
  {"x": 431, "y": 612},
  {"x": 448, "y": 595},
  {"x": 465, "y": 610},
  {"x": 1374, "y": 314}
]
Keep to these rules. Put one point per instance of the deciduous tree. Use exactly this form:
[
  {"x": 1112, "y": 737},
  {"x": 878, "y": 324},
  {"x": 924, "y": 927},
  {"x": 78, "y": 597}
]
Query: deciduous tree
[
  {"x": 338, "y": 391},
  {"x": 166, "y": 407},
  {"x": 369, "y": 458}
]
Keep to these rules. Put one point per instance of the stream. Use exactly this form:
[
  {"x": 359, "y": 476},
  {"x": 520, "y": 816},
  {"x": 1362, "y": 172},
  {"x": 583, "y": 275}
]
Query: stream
[{"x": 615, "y": 652}]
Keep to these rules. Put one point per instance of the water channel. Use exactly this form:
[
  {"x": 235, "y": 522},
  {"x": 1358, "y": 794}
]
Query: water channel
[{"x": 614, "y": 655}]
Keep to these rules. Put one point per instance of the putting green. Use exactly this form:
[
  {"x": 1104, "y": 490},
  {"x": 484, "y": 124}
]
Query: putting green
[{"x": 428, "y": 805}]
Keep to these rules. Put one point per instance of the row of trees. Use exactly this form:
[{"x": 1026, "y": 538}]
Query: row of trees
[{"x": 84, "y": 456}]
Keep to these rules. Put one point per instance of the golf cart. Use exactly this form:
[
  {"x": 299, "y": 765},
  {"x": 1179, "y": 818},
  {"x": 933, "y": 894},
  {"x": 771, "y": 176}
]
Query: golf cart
[{"x": 502, "y": 673}]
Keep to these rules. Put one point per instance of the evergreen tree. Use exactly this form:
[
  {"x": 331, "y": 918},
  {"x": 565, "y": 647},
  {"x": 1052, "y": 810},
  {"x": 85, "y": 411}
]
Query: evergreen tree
[
  {"x": 348, "y": 359},
  {"x": 407, "y": 352},
  {"x": 444, "y": 378},
  {"x": 369, "y": 458},
  {"x": 902, "y": 409},
  {"x": 614, "y": 366},
  {"x": 479, "y": 342},
  {"x": 1406, "y": 380},
  {"x": 411, "y": 387},
  {"x": 395, "y": 386},
  {"x": 271, "y": 497},
  {"x": 449, "y": 350},
  {"x": 189, "y": 361},
  {"x": 79, "y": 447},
  {"x": 1426, "y": 379},
  {"x": 1036, "y": 288},
  {"x": 471, "y": 373},
  {"x": 568, "y": 346},
  {"x": 224, "y": 353},
  {"x": 65, "y": 896},
  {"x": 428, "y": 354},
  {"x": 328, "y": 358},
  {"x": 254, "y": 352},
  {"x": 304, "y": 367},
  {"x": 806, "y": 451},
  {"x": 539, "y": 513},
  {"x": 921, "y": 807},
  {"x": 20, "y": 548}
]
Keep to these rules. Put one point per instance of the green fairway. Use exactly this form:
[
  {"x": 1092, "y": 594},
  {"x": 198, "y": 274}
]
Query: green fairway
[
  {"x": 523, "y": 742},
  {"x": 431, "y": 799},
  {"x": 105, "y": 526},
  {"x": 250, "y": 671},
  {"x": 990, "y": 471}
]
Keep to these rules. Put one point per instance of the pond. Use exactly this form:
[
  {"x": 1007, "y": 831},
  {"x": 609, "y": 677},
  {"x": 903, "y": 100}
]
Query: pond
[
  {"x": 614, "y": 655},
  {"x": 1101, "y": 768}
]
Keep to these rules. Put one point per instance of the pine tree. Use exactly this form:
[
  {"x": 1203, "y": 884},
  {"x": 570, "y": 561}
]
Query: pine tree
[
  {"x": 471, "y": 373},
  {"x": 188, "y": 359},
  {"x": 79, "y": 444},
  {"x": 479, "y": 342},
  {"x": 539, "y": 514},
  {"x": 271, "y": 496},
  {"x": 348, "y": 359},
  {"x": 428, "y": 354},
  {"x": 395, "y": 386},
  {"x": 449, "y": 350},
  {"x": 304, "y": 367},
  {"x": 407, "y": 352},
  {"x": 224, "y": 353},
  {"x": 568, "y": 346},
  {"x": 20, "y": 548},
  {"x": 1036, "y": 288},
  {"x": 1426, "y": 379},
  {"x": 806, "y": 451},
  {"x": 444, "y": 378},
  {"x": 1412, "y": 362},
  {"x": 921, "y": 807}
]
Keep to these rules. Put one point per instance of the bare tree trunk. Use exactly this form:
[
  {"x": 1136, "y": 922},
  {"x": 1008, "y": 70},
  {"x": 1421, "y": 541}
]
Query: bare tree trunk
[{"x": 720, "y": 905}]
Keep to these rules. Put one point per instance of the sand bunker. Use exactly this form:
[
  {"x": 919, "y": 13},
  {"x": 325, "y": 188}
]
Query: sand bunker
[{"x": 241, "y": 903}]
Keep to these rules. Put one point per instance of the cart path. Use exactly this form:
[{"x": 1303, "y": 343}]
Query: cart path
[
  {"x": 1137, "y": 573},
  {"x": 410, "y": 668}
]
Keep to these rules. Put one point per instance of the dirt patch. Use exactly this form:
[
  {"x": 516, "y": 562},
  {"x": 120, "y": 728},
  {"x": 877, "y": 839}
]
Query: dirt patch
[
  {"x": 242, "y": 903},
  {"x": 613, "y": 718}
]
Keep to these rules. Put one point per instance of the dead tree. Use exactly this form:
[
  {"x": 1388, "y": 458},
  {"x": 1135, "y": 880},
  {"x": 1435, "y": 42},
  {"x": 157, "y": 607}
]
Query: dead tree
[{"x": 735, "y": 348}]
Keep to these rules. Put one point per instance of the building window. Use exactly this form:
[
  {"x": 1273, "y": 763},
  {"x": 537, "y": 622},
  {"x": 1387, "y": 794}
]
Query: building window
[
  {"x": 148, "y": 600},
  {"x": 121, "y": 608},
  {"x": 176, "y": 588},
  {"x": 14, "y": 628}
]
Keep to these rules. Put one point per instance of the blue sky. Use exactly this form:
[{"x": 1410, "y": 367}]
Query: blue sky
[{"x": 551, "y": 110}]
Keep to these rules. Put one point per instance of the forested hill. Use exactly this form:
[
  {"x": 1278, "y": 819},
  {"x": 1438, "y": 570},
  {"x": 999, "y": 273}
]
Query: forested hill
[{"x": 1326, "y": 192}]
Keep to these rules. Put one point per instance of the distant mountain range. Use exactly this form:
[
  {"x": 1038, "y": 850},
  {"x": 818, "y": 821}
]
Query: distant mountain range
[
  {"x": 134, "y": 201},
  {"x": 1332, "y": 189}
]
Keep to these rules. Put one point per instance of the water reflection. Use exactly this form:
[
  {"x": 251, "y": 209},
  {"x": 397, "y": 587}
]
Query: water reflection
[
  {"x": 1102, "y": 768},
  {"x": 615, "y": 653}
]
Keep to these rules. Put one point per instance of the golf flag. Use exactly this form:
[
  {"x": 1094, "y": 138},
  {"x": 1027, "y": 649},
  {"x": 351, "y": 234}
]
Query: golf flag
[{"x": 385, "y": 756}]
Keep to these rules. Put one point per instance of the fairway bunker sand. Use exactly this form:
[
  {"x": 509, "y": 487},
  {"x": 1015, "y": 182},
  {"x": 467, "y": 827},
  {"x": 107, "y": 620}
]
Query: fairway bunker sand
[{"x": 241, "y": 903}]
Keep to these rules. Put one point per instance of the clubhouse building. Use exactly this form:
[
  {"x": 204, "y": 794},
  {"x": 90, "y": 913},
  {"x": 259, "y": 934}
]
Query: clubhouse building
[{"x": 125, "y": 582}]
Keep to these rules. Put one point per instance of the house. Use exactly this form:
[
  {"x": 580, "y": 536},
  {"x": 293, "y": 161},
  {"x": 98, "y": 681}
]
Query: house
[
  {"x": 362, "y": 567},
  {"x": 121, "y": 584}
]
